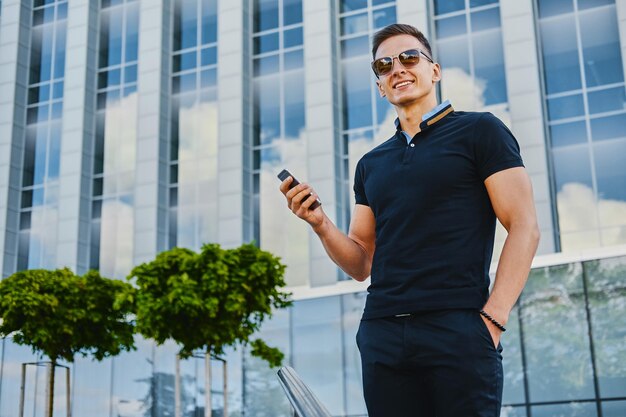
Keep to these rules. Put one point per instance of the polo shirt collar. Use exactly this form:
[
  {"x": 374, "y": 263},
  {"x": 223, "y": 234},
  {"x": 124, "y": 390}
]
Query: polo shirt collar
[{"x": 428, "y": 119}]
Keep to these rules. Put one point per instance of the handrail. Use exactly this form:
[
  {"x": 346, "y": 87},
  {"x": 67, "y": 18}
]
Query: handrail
[{"x": 302, "y": 399}]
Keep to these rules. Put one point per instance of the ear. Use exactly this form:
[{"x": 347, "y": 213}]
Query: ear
[
  {"x": 436, "y": 72},
  {"x": 381, "y": 92}
]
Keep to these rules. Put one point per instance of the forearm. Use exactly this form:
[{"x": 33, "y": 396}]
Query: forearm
[
  {"x": 351, "y": 257},
  {"x": 513, "y": 268}
]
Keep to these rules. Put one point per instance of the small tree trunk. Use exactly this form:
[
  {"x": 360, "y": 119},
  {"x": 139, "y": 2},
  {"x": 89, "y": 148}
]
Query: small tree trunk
[{"x": 50, "y": 398}]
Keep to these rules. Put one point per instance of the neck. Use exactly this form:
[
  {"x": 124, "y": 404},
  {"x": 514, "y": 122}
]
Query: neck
[{"x": 410, "y": 116}]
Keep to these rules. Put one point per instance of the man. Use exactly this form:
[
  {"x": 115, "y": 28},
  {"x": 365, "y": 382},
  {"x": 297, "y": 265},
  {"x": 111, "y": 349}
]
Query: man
[{"x": 423, "y": 227}]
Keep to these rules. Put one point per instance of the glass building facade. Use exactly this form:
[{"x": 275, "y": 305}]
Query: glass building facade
[
  {"x": 584, "y": 95},
  {"x": 42, "y": 150},
  {"x": 193, "y": 141},
  {"x": 115, "y": 144},
  {"x": 238, "y": 89}
]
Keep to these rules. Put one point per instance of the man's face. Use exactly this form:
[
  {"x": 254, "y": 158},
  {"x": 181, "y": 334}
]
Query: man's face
[{"x": 404, "y": 86}]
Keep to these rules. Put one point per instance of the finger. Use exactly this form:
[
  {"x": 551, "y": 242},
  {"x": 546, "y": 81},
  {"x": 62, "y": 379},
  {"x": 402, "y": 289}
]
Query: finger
[
  {"x": 308, "y": 202},
  {"x": 284, "y": 186},
  {"x": 301, "y": 196},
  {"x": 296, "y": 190}
]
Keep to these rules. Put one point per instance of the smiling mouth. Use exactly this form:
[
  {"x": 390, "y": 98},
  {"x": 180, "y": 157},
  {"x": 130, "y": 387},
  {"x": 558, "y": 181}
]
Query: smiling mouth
[{"x": 403, "y": 84}]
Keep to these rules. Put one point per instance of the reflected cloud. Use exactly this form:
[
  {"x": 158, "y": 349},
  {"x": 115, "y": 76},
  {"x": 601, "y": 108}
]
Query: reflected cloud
[
  {"x": 581, "y": 215},
  {"x": 116, "y": 238},
  {"x": 197, "y": 175},
  {"x": 120, "y": 144},
  {"x": 282, "y": 233},
  {"x": 468, "y": 94}
]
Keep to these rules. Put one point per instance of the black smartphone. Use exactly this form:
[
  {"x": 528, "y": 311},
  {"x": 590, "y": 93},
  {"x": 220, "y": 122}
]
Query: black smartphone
[{"x": 283, "y": 176}]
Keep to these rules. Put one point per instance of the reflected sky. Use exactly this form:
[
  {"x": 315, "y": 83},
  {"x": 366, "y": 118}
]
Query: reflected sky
[
  {"x": 116, "y": 140},
  {"x": 42, "y": 151},
  {"x": 278, "y": 131},
  {"x": 586, "y": 103}
]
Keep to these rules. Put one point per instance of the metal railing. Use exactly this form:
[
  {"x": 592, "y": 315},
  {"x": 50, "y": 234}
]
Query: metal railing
[{"x": 302, "y": 399}]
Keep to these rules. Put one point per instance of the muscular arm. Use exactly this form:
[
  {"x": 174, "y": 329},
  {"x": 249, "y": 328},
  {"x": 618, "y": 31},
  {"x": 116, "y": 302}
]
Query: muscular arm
[
  {"x": 353, "y": 253},
  {"x": 511, "y": 196}
]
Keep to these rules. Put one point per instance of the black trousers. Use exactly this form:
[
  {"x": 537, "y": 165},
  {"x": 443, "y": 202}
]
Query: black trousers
[{"x": 433, "y": 364}]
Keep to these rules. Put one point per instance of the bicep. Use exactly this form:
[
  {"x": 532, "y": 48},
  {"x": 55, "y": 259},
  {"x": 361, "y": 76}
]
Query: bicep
[
  {"x": 363, "y": 228},
  {"x": 511, "y": 195}
]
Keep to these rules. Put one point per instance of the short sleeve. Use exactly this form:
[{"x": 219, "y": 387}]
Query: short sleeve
[
  {"x": 495, "y": 148},
  {"x": 359, "y": 184}
]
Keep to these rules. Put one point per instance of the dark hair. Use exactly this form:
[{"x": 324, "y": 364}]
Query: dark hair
[{"x": 395, "y": 30}]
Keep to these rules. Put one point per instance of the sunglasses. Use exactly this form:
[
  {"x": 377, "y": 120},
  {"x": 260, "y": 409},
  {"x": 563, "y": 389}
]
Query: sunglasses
[{"x": 408, "y": 59}]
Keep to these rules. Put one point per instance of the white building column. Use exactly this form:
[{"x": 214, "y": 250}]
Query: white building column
[
  {"x": 14, "y": 48},
  {"x": 526, "y": 107},
  {"x": 77, "y": 136},
  {"x": 234, "y": 102},
  {"x": 620, "y": 5},
  {"x": 415, "y": 13},
  {"x": 153, "y": 81},
  {"x": 322, "y": 117}
]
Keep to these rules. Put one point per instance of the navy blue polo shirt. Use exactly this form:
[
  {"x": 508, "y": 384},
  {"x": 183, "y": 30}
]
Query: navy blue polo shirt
[{"x": 435, "y": 225}]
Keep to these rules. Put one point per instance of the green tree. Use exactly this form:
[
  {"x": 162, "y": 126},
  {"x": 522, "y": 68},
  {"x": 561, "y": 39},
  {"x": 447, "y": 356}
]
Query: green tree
[
  {"x": 61, "y": 314},
  {"x": 210, "y": 300}
]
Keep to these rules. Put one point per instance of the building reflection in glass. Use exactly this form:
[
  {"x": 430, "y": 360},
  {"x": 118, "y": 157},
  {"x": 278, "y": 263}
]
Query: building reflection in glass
[
  {"x": 278, "y": 130},
  {"x": 367, "y": 118},
  {"x": 585, "y": 100},
  {"x": 116, "y": 136},
  {"x": 193, "y": 144},
  {"x": 42, "y": 150}
]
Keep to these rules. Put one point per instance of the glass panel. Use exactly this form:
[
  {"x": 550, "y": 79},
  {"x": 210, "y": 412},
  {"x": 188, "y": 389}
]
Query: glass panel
[
  {"x": 447, "y": 6},
  {"x": 554, "y": 7},
  {"x": 292, "y": 37},
  {"x": 356, "y": 23},
  {"x": 508, "y": 411},
  {"x": 513, "y": 392},
  {"x": 610, "y": 127},
  {"x": 262, "y": 391},
  {"x": 266, "y": 43},
  {"x": 89, "y": 393},
  {"x": 606, "y": 280},
  {"x": 352, "y": 309},
  {"x": 209, "y": 56},
  {"x": 565, "y": 410},
  {"x": 565, "y": 134},
  {"x": 292, "y": 12},
  {"x": 564, "y": 107},
  {"x": 292, "y": 60},
  {"x": 556, "y": 336},
  {"x": 131, "y": 380},
  {"x": 613, "y": 408},
  {"x": 59, "y": 50},
  {"x": 294, "y": 104},
  {"x": 486, "y": 19},
  {"x": 384, "y": 17},
  {"x": 267, "y": 108},
  {"x": 607, "y": 100},
  {"x": 350, "y": 5},
  {"x": 588, "y": 4},
  {"x": 477, "y": 3},
  {"x": 560, "y": 54},
  {"x": 267, "y": 65},
  {"x": 265, "y": 15},
  {"x": 111, "y": 37},
  {"x": 188, "y": 31},
  {"x": 454, "y": 58},
  {"x": 452, "y": 26},
  {"x": 489, "y": 67},
  {"x": 356, "y": 94},
  {"x": 601, "y": 48},
  {"x": 317, "y": 339},
  {"x": 611, "y": 175},
  {"x": 355, "y": 47},
  {"x": 209, "y": 21}
]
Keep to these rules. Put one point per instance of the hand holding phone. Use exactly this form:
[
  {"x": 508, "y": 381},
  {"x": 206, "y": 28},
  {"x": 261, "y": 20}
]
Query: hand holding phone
[{"x": 284, "y": 174}]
